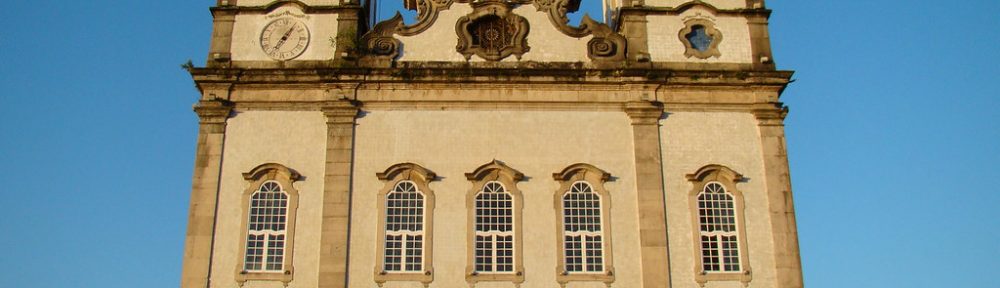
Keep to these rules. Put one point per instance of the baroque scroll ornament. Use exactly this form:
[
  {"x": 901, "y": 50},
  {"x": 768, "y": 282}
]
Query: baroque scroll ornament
[{"x": 492, "y": 32}]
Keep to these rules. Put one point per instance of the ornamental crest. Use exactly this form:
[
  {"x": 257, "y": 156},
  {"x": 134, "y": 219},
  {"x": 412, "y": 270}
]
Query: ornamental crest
[{"x": 492, "y": 32}]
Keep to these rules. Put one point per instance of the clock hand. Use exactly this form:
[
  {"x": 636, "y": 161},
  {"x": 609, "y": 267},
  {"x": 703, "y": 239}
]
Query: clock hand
[{"x": 283, "y": 39}]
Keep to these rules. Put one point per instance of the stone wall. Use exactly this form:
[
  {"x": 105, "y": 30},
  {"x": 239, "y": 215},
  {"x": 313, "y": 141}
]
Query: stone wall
[{"x": 294, "y": 139}]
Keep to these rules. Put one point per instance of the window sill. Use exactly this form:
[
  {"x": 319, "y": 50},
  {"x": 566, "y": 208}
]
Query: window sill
[
  {"x": 566, "y": 277},
  {"x": 513, "y": 277},
  {"x": 244, "y": 276},
  {"x": 383, "y": 276},
  {"x": 704, "y": 277}
]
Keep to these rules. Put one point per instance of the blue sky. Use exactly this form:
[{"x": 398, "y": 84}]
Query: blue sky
[{"x": 893, "y": 138}]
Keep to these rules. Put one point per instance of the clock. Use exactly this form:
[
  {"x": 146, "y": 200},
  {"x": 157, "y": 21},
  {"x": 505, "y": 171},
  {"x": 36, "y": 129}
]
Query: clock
[{"x": 284, "y": 39}]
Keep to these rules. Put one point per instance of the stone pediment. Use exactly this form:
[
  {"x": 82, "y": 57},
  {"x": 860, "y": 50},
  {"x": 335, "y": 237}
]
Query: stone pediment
[{"x": 492, "y": 30}]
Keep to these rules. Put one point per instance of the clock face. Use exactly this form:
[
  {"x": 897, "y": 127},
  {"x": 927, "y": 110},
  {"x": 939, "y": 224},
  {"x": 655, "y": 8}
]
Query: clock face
[{"x": 284, "y": 39}]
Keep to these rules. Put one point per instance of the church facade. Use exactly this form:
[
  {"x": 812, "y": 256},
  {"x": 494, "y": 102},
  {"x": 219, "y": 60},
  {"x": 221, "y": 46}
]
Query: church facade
[{"x": 491, "y": 143}]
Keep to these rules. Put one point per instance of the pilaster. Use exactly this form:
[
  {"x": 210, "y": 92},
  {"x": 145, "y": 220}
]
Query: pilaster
[
  {"x": 220, "y": 49},
  {"x": 645, "y": 118},
  {"x": 340, "y": 117},
  {"x": 633, "y": 26},
  {"x": 781, "y": 210},
  {"x": 347, "y": 33},
  {"x": 204, "y": 193},
  {"x": 760, "y": 41}
]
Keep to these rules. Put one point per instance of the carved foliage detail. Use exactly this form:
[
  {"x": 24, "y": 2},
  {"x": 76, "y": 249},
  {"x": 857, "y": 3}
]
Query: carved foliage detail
[{"x": 492, "y": 32}]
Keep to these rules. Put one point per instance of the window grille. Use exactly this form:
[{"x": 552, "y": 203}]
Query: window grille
[
  {"x": 266, "y": 236},
  {"x": 582, "y": 225},
  {"x": 404, "y": 226},
  {"x": 717, "y": 225},
  {"x": 494, "y": 224}
]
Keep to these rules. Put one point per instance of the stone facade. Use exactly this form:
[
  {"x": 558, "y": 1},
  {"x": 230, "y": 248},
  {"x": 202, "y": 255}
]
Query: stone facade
[{"x": 479, "y": 91}]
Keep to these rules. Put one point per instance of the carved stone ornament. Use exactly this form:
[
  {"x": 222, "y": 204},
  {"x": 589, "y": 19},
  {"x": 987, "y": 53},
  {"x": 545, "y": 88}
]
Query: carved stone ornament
[
  {"x": 379, "y": 42},
  {"x": 492, "y": 32},
  {"x": 700, "y": 38},
  {"x": 606, "y": 44}
]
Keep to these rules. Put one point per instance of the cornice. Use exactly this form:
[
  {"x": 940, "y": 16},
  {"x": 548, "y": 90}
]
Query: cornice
[
  {"x": 340, "y": 112},
  {"x": 644, "y": 113},
  {"x": 262, "y": 9},
  {"x": 770, "y": 114},
  {"x": 212, "y": 115},
  {"x": 647, "y": 10},
  {"x": 459, "y": 75}
]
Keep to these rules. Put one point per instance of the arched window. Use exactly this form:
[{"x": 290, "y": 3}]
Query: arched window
[
  {"x": 494, "y": 202},
  {"x": 270, "y": 202},
  {"x": 406, "y": 221},
  {"x": 583, "y": 218},
  {"x": 494, "y": 229},
  {"x": 583, "y": 237},
  {"x": 266, "y": 235},
  {"x": 717, "y": 215},
  {"x": 404, "y": 229},
  {"x": 720, "y": 250}
]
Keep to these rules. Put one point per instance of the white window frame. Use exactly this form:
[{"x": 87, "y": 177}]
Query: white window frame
[
  {"x": 420, "y": 177},
  {"x": 494, "y": 235},
  {"x": 267, "y": 233},
  {"x": 407, "y": 235},
  {"x": 256, "y": 178},
  {"x": 499, "y": 172},
  {"x": 595, "y": 178},
  {"x": 727, "y": 179}
]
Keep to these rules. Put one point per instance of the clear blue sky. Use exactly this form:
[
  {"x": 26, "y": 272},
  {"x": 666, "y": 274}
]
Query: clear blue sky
[{"x": 893, "y": 139}]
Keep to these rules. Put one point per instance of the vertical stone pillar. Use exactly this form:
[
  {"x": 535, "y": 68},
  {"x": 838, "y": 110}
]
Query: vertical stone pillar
[
  {"x": 204, "y": 193},
  {"x": 760, "y": 41},
  {"x": 219, "y": 51},
  {"x": 649, "y": 189},
  {"x": 347, "y": 33},
  {"x": 781, "y": 210},
  {"x": 336, "y": 194},
  {"x": 636, "y": 35}
]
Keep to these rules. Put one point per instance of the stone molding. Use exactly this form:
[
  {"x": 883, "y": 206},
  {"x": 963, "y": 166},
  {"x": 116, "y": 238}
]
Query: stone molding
[
  {"x": 256, "y": 177},
  {"x": 606, "y": 46},
  {"x": 487, "y": 73},
  {"x": 509, "y": 177},
  {"x": 212, "y": 115},
  {"x": 770, "y": 114},
  {"x": 340, "y": 113},
  {"x": 421, "y": 177},
  {"x": 728, "y": 178},
  {"x": 511, "y": 35},
  {"x": 651, "y": 10},
  {"x": 267, "y": 8},
  {"x": 379, "y": 45},
  {"x": 596, "y": 178},
  {"x": 709, "y": 26},
  {"x": 648, "y": 113}
]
